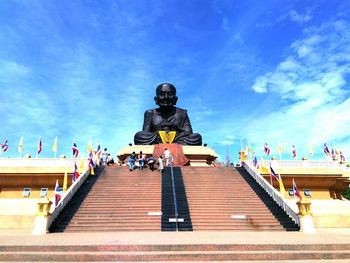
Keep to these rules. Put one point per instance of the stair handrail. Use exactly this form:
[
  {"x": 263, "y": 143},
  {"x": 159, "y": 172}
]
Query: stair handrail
[
  {"x": 275, "y": 195},
  {"x": 174, "y": 191},
  {"x": 67, "y": 196}
]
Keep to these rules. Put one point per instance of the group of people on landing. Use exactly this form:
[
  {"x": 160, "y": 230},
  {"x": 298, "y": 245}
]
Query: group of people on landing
[{"x": 150, "y": 161}]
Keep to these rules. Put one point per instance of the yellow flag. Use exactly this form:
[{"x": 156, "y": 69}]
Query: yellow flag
[
  {"x": 336, "y": 151},
  {"x": 54, "y": 146},
  {"x": 89, "y": 148},
  {"x": 81, "y": 165},
  {"x": 279, "y": 149},
  {"x": 249, "y": 149},
  {"x": 311, "y": 151},
  {"x": 264, "y": 168},
  {"x": 282, "y": 189},
  {"x": 65, "y": 181},
  {"x": 20, "y": 145}
]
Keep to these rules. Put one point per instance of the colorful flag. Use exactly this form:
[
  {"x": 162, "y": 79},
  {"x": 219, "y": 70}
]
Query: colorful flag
[
  {"x": 311, "y": 151},
  {"x": 296, "y": 191},
  {"x": 4, "y": 146},
  {"x": 279, "y": 179},
  {"x": 75, "y": 174},
  {"x": 279, "y": 149},
  {"x": 40, "y": 145},
  {"x": 326, "y": 150},
  {"x": 54, "y": 146},
  {"x": 98, "y": 150},
  {"x": 266, "y": 149},
  {"x": 333, "y": 154},
  {"x": 57, "y": 194},
  {"x": 342, "y": 156},
  {"x": 75, "y": 149},
  {"x": 20, "y": 145},
  {"x": 255, "y": 162},
  {"x": 273, "y": 174},
  {"x": 294, "y": 151},
  {"x": 91, "y": 163}
]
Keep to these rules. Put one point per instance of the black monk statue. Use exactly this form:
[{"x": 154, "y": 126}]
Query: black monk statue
[{"x": 165, "y": 120}]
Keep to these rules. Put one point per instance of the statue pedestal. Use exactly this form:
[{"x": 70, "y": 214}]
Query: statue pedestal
[{"x": 198, "y": 155}]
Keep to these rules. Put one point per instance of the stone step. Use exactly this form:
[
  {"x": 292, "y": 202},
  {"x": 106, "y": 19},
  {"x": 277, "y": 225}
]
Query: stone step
[
  {"x": 184, "y": 255},
  {"x": 120, "y": 202},
  {"x": 213, "y": 196},
  {"x": 176, "y": 247}
]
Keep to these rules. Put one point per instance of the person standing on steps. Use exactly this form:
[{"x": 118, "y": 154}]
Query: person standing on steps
[
  {"x": 167, "y": 156},
  {"x": 131, "y": 160},
  {"x": 141, "y": 158},
  {"x": 104, "y": 157}
]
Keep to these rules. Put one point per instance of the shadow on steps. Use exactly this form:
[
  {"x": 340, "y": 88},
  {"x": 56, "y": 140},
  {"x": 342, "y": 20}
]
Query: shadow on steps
[
  {"x": 64, "y": 218},
  {"x": 274, "y": 208}
]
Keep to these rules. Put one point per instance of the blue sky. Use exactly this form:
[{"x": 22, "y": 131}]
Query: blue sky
[{"x": 258, "y": 71}]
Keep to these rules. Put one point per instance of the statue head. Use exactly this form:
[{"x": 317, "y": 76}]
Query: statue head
[{"x": 165, "y": 95}]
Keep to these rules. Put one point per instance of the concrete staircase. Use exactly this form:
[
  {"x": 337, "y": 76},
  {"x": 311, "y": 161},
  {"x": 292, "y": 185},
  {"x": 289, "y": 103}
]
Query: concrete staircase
[
  {"x": 175, "y": 252},
  {"x": 120, "y": 200},
  {"x": 215, "y": 199},
  {"x": 220, "y": 200}
]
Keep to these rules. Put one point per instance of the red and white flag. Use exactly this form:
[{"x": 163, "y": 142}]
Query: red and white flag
[
  {"x": 40, "y": 145},
  {"x": 267, "y": 149},
  {"x": 294, "y": 151},
  {"x": 57, "y": 193},
  {"x": 296, "y": 191}
]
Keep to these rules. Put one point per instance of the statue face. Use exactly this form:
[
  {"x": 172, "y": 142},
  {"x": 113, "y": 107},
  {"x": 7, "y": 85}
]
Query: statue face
[{"x": 166, "y": 96}]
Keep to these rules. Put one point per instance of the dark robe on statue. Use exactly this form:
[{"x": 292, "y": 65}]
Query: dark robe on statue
[{"x": 175, "y": 119}]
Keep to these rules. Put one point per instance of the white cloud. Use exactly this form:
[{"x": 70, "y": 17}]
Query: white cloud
[
  {"x": 311, "y": 86},
  {"x": 299, "y": 18},
  {"x": 260, "y": 84}
]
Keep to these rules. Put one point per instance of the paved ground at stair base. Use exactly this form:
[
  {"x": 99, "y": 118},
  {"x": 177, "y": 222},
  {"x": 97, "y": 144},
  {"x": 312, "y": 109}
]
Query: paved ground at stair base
[{"x": 323, "y": 236}]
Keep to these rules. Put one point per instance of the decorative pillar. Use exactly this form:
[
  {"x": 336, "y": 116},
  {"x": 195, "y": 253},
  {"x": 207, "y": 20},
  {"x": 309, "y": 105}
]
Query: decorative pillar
[
  {"x": 43, "y": 212},
  {"x": 305, "y": 217}
]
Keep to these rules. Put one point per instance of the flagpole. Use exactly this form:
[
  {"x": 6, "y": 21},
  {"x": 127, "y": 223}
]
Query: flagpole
[{"x": 271, "y": 180}]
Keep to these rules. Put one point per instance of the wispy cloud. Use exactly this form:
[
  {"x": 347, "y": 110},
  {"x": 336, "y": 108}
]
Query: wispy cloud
[
  {"x": 313, "y": 79},
  {"x": 11, "y": 70},
  {"x": 300, "y": 18}
]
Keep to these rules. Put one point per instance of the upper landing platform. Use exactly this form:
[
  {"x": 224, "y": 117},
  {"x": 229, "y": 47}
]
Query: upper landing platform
[{"x": 197, "y": 155}]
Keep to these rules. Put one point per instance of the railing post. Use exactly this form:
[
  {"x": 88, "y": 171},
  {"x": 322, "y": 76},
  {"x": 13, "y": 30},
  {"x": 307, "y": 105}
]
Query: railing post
[
  {"x": 305, "y": 217},
  {"x": 41, "y": 219}
]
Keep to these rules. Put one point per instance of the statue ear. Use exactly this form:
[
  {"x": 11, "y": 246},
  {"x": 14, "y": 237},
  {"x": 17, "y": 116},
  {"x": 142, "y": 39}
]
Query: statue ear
[{"x": 156, "y": 100}]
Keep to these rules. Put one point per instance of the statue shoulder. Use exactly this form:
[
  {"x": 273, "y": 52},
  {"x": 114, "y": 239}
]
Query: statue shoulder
[
  {"x": 181, "y": 111},
  {"x": 150, "y": 112}
]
